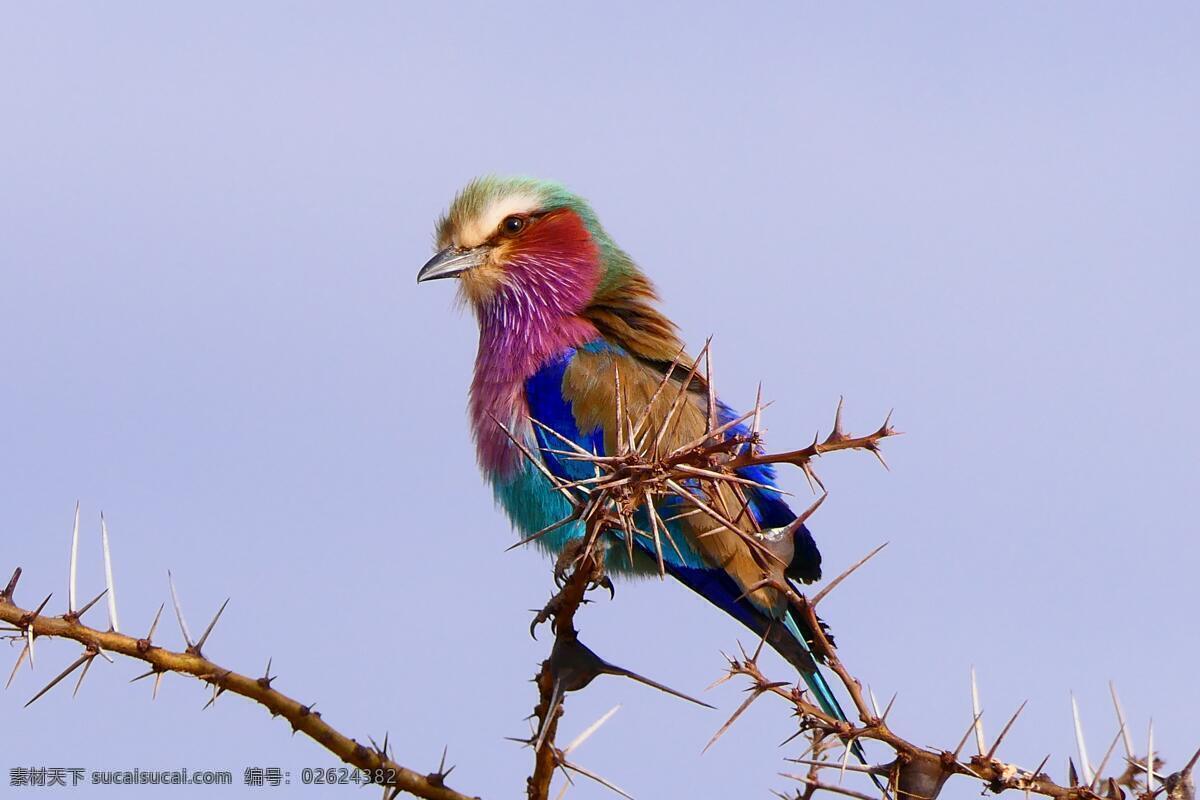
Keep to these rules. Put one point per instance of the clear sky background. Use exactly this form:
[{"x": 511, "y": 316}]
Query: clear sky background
[{"x": 985, "y": 217}]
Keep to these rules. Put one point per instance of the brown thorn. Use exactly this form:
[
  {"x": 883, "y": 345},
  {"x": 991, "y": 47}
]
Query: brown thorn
[
  {"x": 762, "y": 641},
  {"x": 20, "y": 658},
  {"x": 7, "y": 594},
  {"x": 211, "y": 625},
  {"x": 958, "y": 748},
  {"x": 754, "y": 427},
  {"x": 754, "y": 695},
  {"x": 1125, "y": 737},
  {"x": 653, "y": 684},
  {"x": 819, "y": 596},
  {"x": 837, "y": 434},
  {"x": 589, "y": 774},
  {"x": 1096, "y": 779},
  {"x": 726, "y": 523},
  {"x": 658, "y": 549},
  {"x": 548, "y": 529},
  {"x": 154, "y": 624},
  {"x": 86, "y": 666},
  {"x": 620, "y": 408},
  {"x": 730, "y": 477},
  {"x": 1004, "y": 731},
  {"x": 37, "y": 612},
  {"x": 145, "y": 674},
  {"x": 888, "y": 710},
  {"x": 537, "y": 462},
  {"x": 699, "y": 440},
  {"x": 88, "y": 605},
  {"x": 827, "y": 787},
  {"x": 668, "y": 423},
  {"x": 582, "y": 452},
  {"x": 1187, "y": 769},
  {"x": 74, "y": 666},
  {"x": 711, "y": 421},
  {"x": 644, "y": 417}
]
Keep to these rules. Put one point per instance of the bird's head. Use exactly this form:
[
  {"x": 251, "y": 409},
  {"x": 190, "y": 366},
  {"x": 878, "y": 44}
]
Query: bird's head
[
  {"x": 521, "y": 237},
  {"x": 530, "y": 255}
]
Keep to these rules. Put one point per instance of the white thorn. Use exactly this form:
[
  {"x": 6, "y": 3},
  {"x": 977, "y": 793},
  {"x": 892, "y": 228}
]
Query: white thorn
[
  {"x": 187, "y": 635},
  {"x": 108, "y": 577},
  {"x": 979, "y": 740},
  {"x": 595, "y": 726},
  {"x": 1125, "y": 737},
  {"x": 1149, "y": 755},
  {"x": 74, "y": 561},
  {"x": 1088, "y": 774}
]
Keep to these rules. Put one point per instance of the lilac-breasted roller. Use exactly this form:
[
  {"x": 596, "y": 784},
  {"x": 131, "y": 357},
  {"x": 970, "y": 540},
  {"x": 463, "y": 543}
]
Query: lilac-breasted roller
[{"x": 563, "y": 313}]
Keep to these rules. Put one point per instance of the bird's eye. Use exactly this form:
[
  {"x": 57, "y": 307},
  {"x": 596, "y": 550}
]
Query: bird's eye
[{"x": 512, "y": 225}]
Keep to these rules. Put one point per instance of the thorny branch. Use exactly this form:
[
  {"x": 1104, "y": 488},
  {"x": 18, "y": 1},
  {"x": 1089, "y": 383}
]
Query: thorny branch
[
  {"x": 621, "y": 502},
  {"x": 704, "y": 475},
  {"x": 31, "y": 625}
]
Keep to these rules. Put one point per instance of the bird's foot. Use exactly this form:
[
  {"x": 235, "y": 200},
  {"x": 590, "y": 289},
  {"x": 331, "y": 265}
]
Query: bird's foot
[{"x": 573, "y": 557}]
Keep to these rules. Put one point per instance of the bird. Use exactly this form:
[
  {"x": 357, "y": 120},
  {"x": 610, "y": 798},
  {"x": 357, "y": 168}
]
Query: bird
[{"x": 564, "y": 314}]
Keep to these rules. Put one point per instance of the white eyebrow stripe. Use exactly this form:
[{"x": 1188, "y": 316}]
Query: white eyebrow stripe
[{"x": 477, "y": 230}]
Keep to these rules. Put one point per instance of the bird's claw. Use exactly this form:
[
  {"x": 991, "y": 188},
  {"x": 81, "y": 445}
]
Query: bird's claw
[
  {"x": 569, "y": 560},
  {"x": 606, "y": 583}
]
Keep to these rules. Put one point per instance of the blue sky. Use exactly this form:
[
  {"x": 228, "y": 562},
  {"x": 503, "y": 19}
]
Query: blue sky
[{"x": 984, "y": 217}]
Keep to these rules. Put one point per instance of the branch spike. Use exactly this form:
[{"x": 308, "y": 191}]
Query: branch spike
[
  {"x": 1004, "y": 730},
  {"x": 108, "y": 577},
  {"x": 1096, "y": 777},
  {"x": 74, "y": 666},
  {"x": 1150, "y": 759},
  {"x": 888, "y": 710},
  {"x": 211, "y": 625},
  {"x": 86, "y": 666},
  {"x": 37, "y": 612},
  {"x": 88, "y": 605},
  {"x": 590, "y": 729},
  {"x": 566, "y": 765},
  {"x": 980, "y": 742},
  {"x": 7, "y": 594},
  {"x": 20, "y": 658},
  {"x": 754, "y": 695},
  {"x": 1125, "y": 737},
  {"x": 833, "y": 584},
  {"x": 187, "y": 636},
  {"x": 711, "y": 416},
  {"x": 1081, "y": 745},
  {"x": 154, "y": 624},
  {"x": 974, "y": 722},
  {"x": 74, "y": 562}
]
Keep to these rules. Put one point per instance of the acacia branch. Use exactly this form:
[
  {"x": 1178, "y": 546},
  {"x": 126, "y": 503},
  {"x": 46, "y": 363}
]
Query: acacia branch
[
  {"x": 919, "y": 772},
  {"x": 303, "y": 718}
]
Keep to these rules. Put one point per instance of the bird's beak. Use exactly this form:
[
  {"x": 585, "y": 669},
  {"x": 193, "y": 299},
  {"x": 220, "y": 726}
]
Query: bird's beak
[{"x": 450, "y": 262}]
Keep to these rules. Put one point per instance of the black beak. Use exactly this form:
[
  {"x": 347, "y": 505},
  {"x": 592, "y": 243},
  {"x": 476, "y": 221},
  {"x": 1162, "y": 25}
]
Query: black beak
[{"x": 450, "y": 262}]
